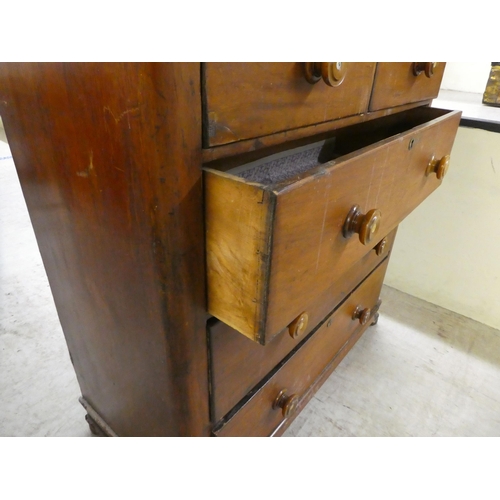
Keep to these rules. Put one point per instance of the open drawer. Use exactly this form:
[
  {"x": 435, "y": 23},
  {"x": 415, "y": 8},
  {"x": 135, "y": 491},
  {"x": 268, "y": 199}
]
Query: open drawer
[{"x": 283, "y": 228}]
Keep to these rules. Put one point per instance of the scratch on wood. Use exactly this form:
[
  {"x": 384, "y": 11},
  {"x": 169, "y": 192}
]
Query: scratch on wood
[
  {"x": 85, "y": 173},
  {"x": 120, "y": 116},
  {"x": 214, "y": 127}
]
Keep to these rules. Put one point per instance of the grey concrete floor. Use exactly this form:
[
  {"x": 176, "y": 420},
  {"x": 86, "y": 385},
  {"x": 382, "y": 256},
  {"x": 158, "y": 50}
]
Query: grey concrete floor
[{"x": 422, "y": 371}]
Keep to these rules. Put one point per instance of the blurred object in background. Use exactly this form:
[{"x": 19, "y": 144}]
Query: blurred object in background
[{"x": 491, "y": 95}]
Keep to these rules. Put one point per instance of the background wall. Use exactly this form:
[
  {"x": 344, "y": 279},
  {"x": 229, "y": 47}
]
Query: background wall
[
  {"x": 466, "y": 77},
  {"x": 448, "y": 250}
]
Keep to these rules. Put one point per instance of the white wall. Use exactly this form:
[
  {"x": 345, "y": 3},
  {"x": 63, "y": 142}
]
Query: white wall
[
  {"x": 448, "y": 250},
  {"x": 466, "y": 76}
]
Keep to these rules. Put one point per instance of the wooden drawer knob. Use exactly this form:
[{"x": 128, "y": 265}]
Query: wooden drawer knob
[
  {"x": 439, "y": 167},
  {"x": 333, "y": 73},
  {"x": 366, "y": 225},
  {"x": 298, "y": 326},
  {"x": 288, "y": 404},
  {"x": 364, "y": 314},
  {"x": 427, "y": 68},
  {"x": 380, "y": 246}
]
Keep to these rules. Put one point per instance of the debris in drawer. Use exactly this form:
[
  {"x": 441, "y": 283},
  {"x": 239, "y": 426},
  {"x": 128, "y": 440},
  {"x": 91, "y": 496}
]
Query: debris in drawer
[{"x": 286, "y": 165}]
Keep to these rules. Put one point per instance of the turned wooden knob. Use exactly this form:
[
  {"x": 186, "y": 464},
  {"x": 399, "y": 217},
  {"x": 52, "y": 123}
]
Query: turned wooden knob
[
  {"x": 363, "y": 314},
  {"x": 380, "y": 246},
  {"x": 288, "y": 404},
  {"x": 332, "y": 73},
  {"x": 366, "y": 225},
  {"x": 298, "y": 326},
  {"x": 439, "y": 167},
  {"x": 424, "y": 67}
]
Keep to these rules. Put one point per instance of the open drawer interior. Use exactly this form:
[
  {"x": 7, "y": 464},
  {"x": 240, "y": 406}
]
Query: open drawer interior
[
  {"x": 279, "y": 224},
  {"x": 289, "y": 165}
]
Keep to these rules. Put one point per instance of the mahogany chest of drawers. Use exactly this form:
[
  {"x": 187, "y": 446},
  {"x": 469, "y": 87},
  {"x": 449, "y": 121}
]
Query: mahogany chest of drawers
[{"x": 216, "y": 236}]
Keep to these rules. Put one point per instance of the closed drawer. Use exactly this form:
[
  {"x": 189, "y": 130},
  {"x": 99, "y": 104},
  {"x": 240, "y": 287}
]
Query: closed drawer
[
  {"x": 400, "y": 83},
  {"x": 259, "y": 416},
  {"x": 270, "y": 244},
  {"x": 249, "y": 100},
  {"x": 237, "y": 364}
]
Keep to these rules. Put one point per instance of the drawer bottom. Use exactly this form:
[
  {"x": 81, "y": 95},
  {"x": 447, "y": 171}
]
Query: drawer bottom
[{"x": 271, "y": 408}]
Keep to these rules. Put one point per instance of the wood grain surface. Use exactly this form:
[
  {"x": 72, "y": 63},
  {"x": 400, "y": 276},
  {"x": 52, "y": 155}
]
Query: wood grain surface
[
  {"x": 396, "y": 84},
  {"x": 289, "y": 138},
  {"x": 248, "y": 100},
  {"x": 257, "y": 416},
  {"x": 109, "y": 162},
  {"x": 238, "y": 238},
  {"x": 309, "y": 250},
  {"x": 238, "y": 364}
]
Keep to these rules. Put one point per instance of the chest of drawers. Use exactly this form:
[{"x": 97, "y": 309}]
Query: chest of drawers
[{"x": 216, "y": 236}]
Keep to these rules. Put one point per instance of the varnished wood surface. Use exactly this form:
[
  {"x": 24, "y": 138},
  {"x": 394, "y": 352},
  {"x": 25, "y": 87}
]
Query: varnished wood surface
[
  {"x": 308, "y": 249},
  {"x": 257, "y": 417},
  {"x": 238, "y": 364},
  {"x": 247, "y": 100},
  {"x": 109, "y": 159},
  {"x": 396, "y": 84},
  {"x": 109, "y": 162},
  {"x": 311, "y": 391},
  {"x": 388, "y": 176}
]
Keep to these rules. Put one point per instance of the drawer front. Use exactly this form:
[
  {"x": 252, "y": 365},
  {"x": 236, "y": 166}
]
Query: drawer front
[
  {"x": 259, "y": 416},
  {"x": 268, "y": 247},
  {"x": 238, "y": 364},
  {"x": 249, "y": 100},
  {"x": 400, "y": 83}
]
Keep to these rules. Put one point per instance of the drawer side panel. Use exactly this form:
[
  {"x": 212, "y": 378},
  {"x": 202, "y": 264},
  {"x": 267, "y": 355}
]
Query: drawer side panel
[{"x": 238, "y": 217}]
